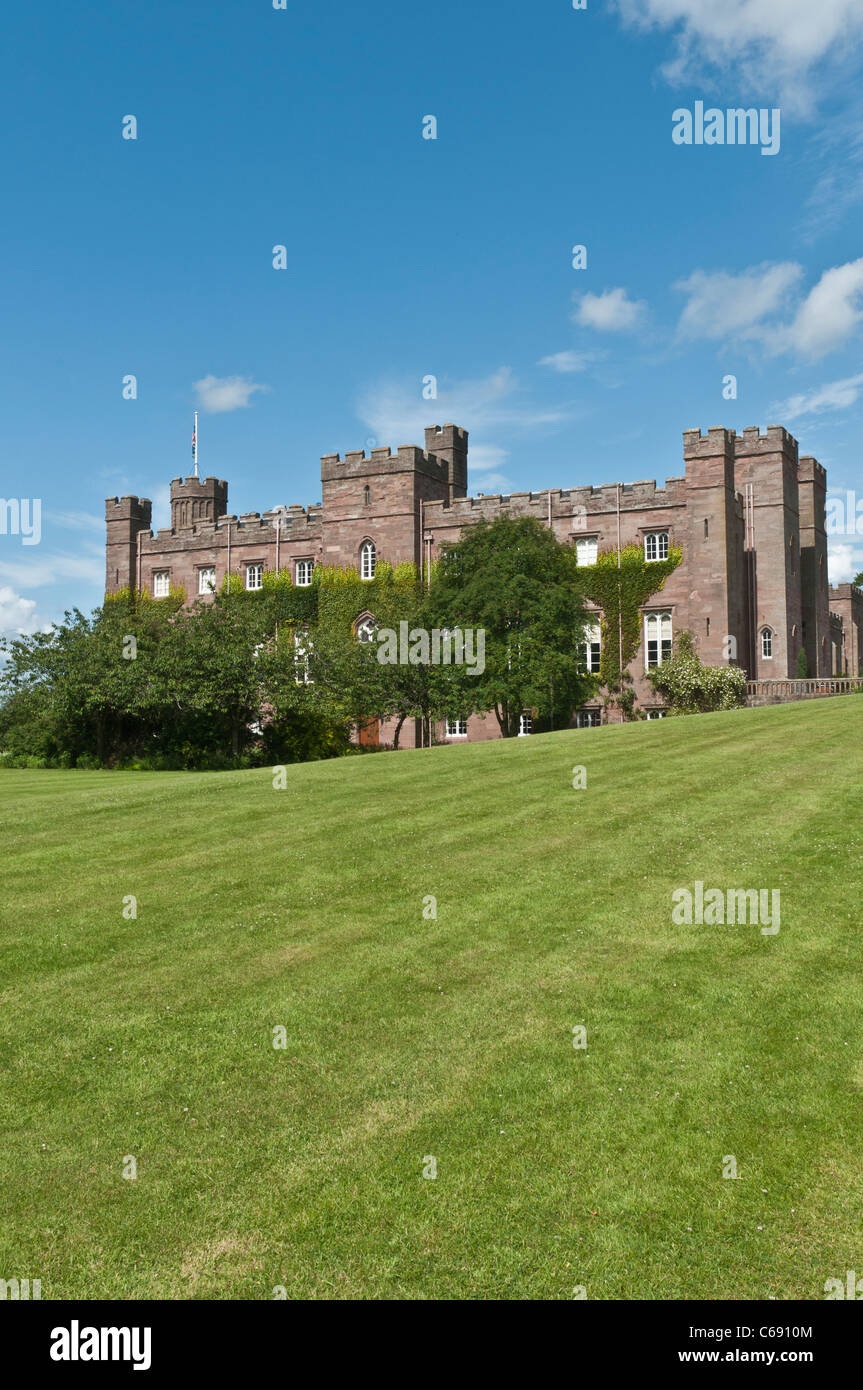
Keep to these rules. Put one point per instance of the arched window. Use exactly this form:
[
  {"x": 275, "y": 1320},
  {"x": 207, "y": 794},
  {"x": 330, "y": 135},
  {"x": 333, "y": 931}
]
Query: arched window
[
  {"x": 657, "y": 638},
  {"x": 766, "y": 643},
  {"x": 368, "y": 560},
  {"x": 366, "y": 628}
]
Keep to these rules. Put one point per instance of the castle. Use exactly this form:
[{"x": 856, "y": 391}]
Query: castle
[{"x": 748, "y": 514}]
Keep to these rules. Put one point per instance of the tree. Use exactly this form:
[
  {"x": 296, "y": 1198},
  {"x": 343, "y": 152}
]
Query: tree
[{"x": 513, "y": 580}]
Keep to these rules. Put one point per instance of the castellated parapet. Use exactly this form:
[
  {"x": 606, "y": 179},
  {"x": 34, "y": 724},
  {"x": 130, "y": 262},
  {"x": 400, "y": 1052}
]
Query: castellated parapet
[{"x": 748, "y": 516}]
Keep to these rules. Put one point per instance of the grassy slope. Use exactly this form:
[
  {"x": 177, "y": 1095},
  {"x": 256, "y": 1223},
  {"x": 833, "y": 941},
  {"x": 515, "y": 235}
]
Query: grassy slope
[{"x": 410, "y": 1037}]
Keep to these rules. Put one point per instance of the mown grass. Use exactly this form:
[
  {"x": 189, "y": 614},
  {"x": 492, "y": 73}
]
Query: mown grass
[{"x": 409, "y": 1037}]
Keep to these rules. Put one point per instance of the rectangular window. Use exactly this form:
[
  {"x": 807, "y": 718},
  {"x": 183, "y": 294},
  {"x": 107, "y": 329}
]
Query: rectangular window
[
  {"x": 207, "y": 580},
  {"x": 525, "y": 725},
  {"x": 656, "y": 545},
  {"x": 656, "y": 713},
  {"x": 592, "y": 649},
  {"x": 254, "y": 576},
  {"x": 456, "y": 728},
  {"x": 657, "y": 638},
  {"x": 303, "y": 573},
  {"x": 585, "y": 551},
  {"x": 161, "y": 584},
  {"x": 302, "y": 652},
  {"x": 587, "y": 718}
]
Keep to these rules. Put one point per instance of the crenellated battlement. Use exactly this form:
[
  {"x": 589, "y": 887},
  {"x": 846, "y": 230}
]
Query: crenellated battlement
[{"x": 407, "y": 459}]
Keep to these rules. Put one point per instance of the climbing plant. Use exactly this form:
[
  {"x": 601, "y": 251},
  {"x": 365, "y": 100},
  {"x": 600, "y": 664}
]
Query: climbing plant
[{"x": 620, "y": 590}]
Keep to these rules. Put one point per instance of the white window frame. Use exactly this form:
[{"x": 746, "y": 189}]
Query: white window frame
[
  {"x": 525, "y": 724},
  {"x": 161, "y": 583},
  {"x": 657, "y": 713},
  {"x": 656, "y": 623},
  {"x": 255, "y": 575},
  {"x": 207, "y": 586},
  {"x": 592, "y": 648},
  {"x": 368, "y": 560},
  {"x": 302, "y": 651},
  {"x": 588, "y": 718},
  {"x": 767, "y": 644},
  {"x": 366, "y": 630},
  {"x": 591, "y": 545},
  {"x": 303, "y": 571},
  {"x": 456, "y": 728},
  {"x": 658, "y": 542}
]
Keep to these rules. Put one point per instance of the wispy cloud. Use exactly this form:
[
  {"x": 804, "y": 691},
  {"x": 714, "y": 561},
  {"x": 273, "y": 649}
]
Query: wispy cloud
[
  {"x": 833, "y": 395},
  {"x": 780, "y": 47},
  {"x": 219, "y": 394},
  {"x": 37, "y": 571},
  {"x": 570, "y": 361},
  {"x": 610, "y": 312},
  {"x": 726, "y": 304},
  {"x": 761, "y": 304},
  {"x": 395, "y": 413}
]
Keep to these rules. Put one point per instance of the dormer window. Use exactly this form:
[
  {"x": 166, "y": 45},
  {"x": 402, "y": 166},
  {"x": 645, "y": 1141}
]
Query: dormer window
[
  {"x": 368, "y": 560},
  {"x": 656, "y": 545}
]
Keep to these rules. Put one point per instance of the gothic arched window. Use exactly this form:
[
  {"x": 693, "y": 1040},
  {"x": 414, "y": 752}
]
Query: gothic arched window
[{"x": 368, "y": 560}]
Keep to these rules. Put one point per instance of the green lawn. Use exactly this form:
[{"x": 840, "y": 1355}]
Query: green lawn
[{"x": 409, "y": 1037}]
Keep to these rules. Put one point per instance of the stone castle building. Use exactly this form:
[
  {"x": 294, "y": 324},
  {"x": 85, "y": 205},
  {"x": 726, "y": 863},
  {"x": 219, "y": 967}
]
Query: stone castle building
[{"x": 748, "y": 513}]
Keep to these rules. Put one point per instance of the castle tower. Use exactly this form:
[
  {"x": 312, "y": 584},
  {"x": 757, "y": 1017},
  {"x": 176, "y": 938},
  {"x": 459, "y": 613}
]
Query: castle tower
[
  {"x": 814, "y": 588},
  {"x": 125, "y": 518},
  {"x": 765, "y": 471},
  {"x": 449, "y": 443},
  {"x": 713, "y": 548},
  {"x": 197, "y": 499},
  {"x": 377, "y": 500}
]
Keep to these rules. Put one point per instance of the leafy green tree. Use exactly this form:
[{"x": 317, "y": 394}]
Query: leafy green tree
[{"x": 512, "y": 579}]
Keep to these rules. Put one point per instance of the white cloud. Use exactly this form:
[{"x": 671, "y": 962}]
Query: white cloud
[
  {"x": 610, "y": 312},
  {"x": 724, "y": 304},
  {"x": 18, "y": 614},
  {"x": 772, "y": 46},
  {"x": 834, "y": 395},
  {"x": 569, "y": 361},
  {"x": 830, "y": 312},
  {"x": 218, "y": 394},
  {"x": 750, "y": 304},
  {"x": 844, "y": 563}
]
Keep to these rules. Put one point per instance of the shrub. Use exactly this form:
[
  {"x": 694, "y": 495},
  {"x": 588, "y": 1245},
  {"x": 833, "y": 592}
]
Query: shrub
[{"x": 688, "y": 686}]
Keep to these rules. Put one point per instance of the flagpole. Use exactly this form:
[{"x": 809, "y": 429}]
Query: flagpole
[{"x": 196, "y": 443}]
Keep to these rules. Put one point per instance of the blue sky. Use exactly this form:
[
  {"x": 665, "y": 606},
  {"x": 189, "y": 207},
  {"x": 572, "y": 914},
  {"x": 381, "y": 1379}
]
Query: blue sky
[{"x": 409, "y": 257}]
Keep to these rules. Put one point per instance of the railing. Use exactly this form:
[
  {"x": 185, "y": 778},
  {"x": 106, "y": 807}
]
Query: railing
[{"x": 797, "y": 688}]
